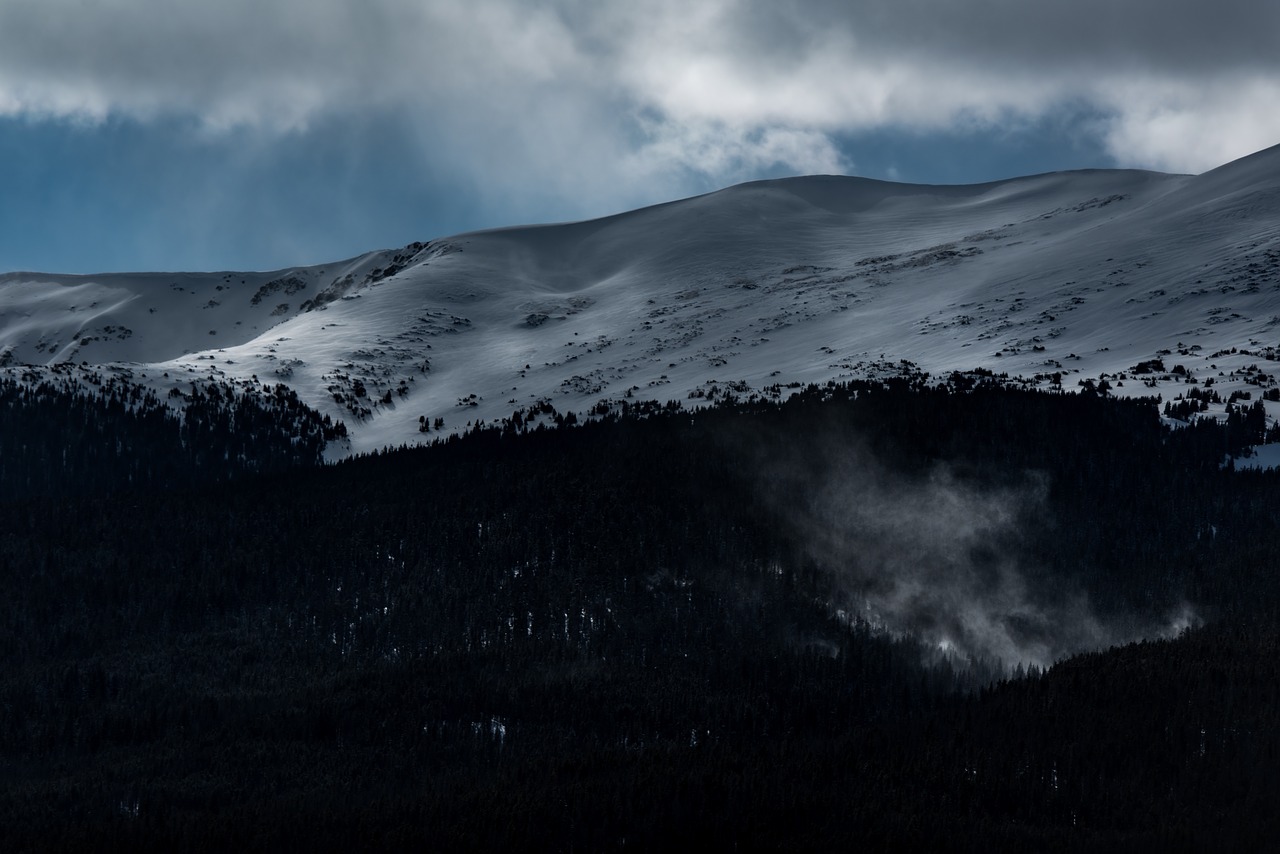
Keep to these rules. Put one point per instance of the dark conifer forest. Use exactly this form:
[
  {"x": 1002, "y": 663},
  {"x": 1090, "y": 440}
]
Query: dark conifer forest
[{"x": 656, "y": 627}]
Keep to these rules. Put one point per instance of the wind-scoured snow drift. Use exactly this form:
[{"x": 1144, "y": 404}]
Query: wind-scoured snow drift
[{"x": 1077, "y": 274}]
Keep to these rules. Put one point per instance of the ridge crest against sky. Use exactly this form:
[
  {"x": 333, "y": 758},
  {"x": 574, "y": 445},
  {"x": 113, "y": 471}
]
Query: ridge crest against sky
[{"x": 153, "y": 134}]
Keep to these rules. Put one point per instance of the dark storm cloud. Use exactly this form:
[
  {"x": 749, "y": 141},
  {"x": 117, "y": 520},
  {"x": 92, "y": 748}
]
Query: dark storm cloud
[
  {"x": 615, "y": 101},
  {"x": 1172, "y": 35}
]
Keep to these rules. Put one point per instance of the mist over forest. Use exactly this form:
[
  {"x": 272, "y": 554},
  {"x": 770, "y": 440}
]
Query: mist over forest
[{"x": 918, "y": 612}]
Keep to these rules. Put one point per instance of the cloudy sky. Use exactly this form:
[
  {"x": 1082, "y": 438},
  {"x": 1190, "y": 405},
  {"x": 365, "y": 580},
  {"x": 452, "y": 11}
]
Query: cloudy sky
[{"x": 256, "y": 134}]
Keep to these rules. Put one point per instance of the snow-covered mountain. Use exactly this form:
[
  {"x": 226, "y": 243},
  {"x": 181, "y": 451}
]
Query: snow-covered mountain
[{"x": 1082, "y": 274}]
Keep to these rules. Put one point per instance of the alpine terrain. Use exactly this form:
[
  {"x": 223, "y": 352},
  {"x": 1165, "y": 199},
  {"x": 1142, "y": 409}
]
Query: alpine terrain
[
  {"x": 1057, "y": 278},
  {"x": 817, "y": 513}
]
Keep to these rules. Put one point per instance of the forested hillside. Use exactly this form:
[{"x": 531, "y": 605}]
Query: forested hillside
[
  {"x": 63, "y": 432},
  {"x": 689, "y": 627}
]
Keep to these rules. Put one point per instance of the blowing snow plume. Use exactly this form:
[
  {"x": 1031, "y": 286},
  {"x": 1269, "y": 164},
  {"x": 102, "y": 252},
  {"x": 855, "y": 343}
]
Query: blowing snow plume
[{"x": 940, "y": 557}]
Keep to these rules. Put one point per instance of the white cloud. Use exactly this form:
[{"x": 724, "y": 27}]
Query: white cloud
[
  {"x": 1184, "y": 127},
  {"x": 615, "y": 101},
  {"x": 737, "y": 152}
]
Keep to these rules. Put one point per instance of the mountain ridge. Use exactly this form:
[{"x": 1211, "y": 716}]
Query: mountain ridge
[{"x": 1081, "y": 274}]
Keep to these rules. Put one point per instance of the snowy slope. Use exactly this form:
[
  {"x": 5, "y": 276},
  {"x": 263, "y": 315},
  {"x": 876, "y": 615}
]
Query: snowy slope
[{"x": 1084, "y": 274}]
